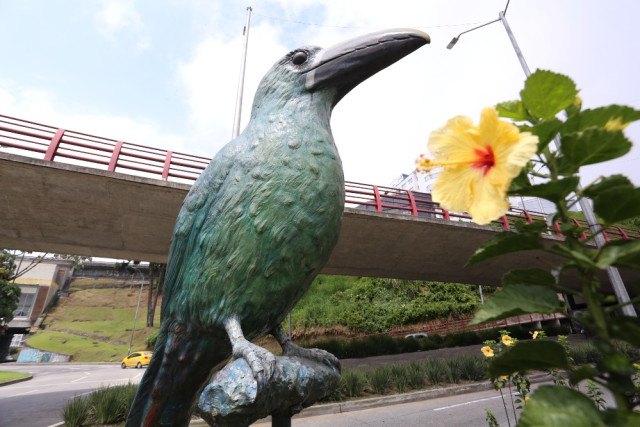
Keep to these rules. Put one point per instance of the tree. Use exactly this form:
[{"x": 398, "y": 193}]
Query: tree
[
  {"x": 156, "y": 280},
  {"x": 9, "y": 291}
]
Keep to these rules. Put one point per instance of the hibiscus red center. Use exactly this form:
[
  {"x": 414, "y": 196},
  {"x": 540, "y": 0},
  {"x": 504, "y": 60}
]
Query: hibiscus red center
[{"x": 485, "y": 159}]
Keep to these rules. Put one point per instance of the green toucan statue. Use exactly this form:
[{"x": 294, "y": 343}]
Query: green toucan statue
[{"x": 258, "y": 226}]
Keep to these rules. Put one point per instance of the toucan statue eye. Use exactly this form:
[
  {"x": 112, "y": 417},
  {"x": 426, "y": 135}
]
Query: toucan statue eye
[{"x": 299, "y": 57}]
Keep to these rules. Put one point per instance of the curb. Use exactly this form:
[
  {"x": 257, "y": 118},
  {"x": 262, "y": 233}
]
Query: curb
[
  {"x": 19, "y": 380},
  {"x": 394, "y": 399}
]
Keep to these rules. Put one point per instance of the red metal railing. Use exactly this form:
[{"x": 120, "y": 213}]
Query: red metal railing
[
  {"x": 56, "y": 144},
  {"x": 460, "y": 325},
  {"x": 444, "y": 327},
  {"x": 61, "y": 145}
]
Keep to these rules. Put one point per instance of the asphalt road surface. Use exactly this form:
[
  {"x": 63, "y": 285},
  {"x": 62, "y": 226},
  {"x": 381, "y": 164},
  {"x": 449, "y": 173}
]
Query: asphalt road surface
[
  {"x": 38, "y": 402},
  {"x": 466, "y": 410}
]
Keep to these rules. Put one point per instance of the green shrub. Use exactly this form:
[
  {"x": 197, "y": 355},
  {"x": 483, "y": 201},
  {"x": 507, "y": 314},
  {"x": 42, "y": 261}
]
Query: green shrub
[
  {"x": 75, "y": 412},
  {"x": 453, "y": 370},
  {"x": 354, "y": 383},
  {"x": 434, "y": 370},
  {"x": 107, "y": 405},
  {"x": 400, "y": 376},
  {"x": 473, "y": 368},
  {"x": 415, "y": 374},
  {"x": 380, "y": 380},
  {"x": 585, "y": 353},
  {"x": 378, "y": 345},
  {"x": 150, "y": 342}
]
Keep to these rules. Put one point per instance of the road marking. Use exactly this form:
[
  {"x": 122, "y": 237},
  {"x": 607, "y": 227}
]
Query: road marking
[
  {"x": 26, "y": 392},
  {"x": 86, "y": 374},
  {"x": 468, "y": 403}
]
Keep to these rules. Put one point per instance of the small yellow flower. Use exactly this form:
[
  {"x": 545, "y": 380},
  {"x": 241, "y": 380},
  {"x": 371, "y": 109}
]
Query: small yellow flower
[
  {"x": 534, "y": 334},
  {"x": 615, "y": 124},
  {"x": 526, "y": 399},
  {"x": 577, "y": 102},
  {"x": 478, "y": 164},
  {"x": 503, "y": 377},
  {"x": 507, "y": 340},
  {"x": 487, "y": 351}
]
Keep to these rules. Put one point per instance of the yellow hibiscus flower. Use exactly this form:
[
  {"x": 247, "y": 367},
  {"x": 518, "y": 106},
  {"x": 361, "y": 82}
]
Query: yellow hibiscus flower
[
  {"x": 487, "y": 351},
  {"x": 507, "y": 340},
  {"x": 478, "y": 164}
]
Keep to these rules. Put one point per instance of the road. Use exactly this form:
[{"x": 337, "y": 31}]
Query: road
[
  {"x": 463, "y": 410},
  {"x": 39, "y": 401}
]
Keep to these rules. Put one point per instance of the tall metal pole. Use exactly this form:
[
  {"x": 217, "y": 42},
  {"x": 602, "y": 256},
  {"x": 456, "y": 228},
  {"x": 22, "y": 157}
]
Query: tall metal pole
[
  {"x": 133, "y": 329},
  {"x": 236, "y": 117},
  {"x": 614, "y": 275}
]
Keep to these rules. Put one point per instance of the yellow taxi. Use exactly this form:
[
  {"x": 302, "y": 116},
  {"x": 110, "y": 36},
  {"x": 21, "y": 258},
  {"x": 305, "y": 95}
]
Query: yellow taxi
[{"x": 137, "y": 359}]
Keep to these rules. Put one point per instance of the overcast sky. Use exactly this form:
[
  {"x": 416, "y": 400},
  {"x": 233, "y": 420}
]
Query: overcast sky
[{"x": 164, "y": 73}]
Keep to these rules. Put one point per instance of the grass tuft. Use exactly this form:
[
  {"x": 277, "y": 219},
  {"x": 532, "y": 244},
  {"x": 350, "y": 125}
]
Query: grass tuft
[{"x": 107, "y": 405}]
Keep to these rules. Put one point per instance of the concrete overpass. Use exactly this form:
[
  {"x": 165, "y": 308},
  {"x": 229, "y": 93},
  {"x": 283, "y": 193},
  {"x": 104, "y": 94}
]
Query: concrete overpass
[
  {"x": 64, "y": 208},
  {"x": 63, "y": 191}
]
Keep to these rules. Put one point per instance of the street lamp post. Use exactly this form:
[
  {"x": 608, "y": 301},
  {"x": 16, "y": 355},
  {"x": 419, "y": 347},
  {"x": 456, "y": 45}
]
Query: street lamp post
[
  {"x": 614, "y": 275},
  {"x": 133, "y": 329}
]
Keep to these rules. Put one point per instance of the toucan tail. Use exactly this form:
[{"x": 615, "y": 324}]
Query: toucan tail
[{"x": 181, "y": 364}]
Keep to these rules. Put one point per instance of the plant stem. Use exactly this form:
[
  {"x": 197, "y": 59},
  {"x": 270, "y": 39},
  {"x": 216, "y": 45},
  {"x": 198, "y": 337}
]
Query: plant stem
[
  {"x": 506, "y": 412},
  {"x": 513, "y": 406}
]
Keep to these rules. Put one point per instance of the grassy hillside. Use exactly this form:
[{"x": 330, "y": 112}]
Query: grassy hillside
[
  {"x": 94, "y": 322},
  {"x": 339, "y": 304}
]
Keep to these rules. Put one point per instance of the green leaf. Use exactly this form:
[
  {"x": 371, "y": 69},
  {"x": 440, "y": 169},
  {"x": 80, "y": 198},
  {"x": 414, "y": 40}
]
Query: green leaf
[
  {"x": 626, "y": 329},
  {"x": 584, "y": 372},
  {"x": 617, "y": 363},
  {"x": 565, "y": 167},
  {"x": 504, "y": 243},
  {"x": 545, "y": 93},
  {"x": 608, "y": 183},
  {"x": 512, "y": 110},
  {"x": 582, "y": 256},
  {"x": 574, "y": 108},
  {"x": 621, "y": 253},
  {"x": 530, "y": 227},
  {"x": 554, "y": 191},
  {"x": 599, "y": 117},
  {"x": 520, "y": 181},
  {"x": 532, "y": 276},
  {"x": 617, "y": 204},
  {"x": 517, "y": 299},
  {"x": 594, "y": 146},
  {"x": 529, "y": 355},
  {"x": 545, "y": 131},
  {"x": 558, "y": 406},
  {"x": 616, "y": 418}
]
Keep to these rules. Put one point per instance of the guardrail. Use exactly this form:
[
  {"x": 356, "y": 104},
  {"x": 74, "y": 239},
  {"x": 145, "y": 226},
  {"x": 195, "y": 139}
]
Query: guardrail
[
  {"x": 57, "y": 144},
  {"x": 62, "y": 145}
]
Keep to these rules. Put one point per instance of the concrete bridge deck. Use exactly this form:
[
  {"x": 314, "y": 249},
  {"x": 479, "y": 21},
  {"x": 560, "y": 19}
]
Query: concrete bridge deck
[{"x": 63, "y": 208}]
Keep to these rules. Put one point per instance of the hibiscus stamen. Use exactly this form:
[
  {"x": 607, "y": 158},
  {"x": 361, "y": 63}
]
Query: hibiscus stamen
[{"x": 485, "y": 160}]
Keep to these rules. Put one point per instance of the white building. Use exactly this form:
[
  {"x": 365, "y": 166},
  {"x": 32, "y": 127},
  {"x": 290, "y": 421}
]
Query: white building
[
  {"x": 423, "y": 182},
  {"x": 38, "y": 287},
  {"x": 415, "y": 181}
]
